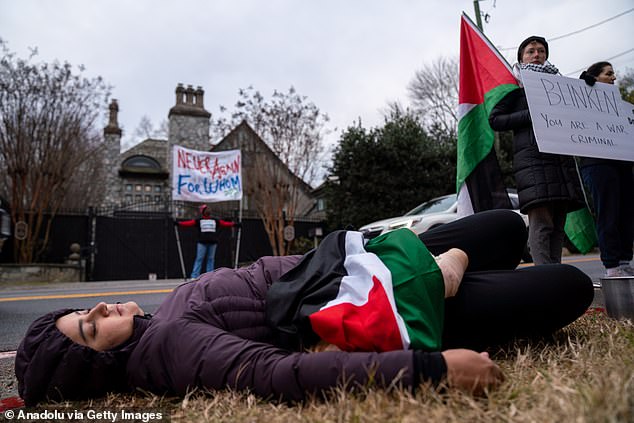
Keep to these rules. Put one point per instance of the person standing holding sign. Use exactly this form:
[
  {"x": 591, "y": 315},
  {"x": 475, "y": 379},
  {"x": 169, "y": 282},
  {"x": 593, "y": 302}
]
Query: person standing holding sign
[
  {"x": 207, "y": 238},
  {"x": 547, "y": 184},
  {"x": 611, "y": 184}
]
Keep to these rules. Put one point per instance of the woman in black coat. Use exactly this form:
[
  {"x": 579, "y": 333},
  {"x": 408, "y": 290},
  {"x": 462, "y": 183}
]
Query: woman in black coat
[{"x": 547, "y": 184}]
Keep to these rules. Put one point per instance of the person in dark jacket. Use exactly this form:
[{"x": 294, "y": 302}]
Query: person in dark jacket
[
  {"x": 207, "y": 227},
  {"x": 548, "y": 185},
  {"x": 220, "y": 332},
  {"x": 611, "y": 184}
]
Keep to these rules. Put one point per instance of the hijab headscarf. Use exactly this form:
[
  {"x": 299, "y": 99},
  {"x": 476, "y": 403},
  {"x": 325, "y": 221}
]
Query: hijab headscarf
[{"x": 49, "y": 365}]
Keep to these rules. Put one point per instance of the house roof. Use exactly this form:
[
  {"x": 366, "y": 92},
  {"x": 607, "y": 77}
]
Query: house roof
[{"x": 244, "y": 126}]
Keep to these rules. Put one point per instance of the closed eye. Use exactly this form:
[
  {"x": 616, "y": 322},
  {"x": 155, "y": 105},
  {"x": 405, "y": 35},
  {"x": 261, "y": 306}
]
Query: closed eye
[{"x": 81, "y": 326}]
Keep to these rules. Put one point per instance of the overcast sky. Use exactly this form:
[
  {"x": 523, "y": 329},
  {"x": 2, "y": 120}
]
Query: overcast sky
[{"x": 350, "y": 58}]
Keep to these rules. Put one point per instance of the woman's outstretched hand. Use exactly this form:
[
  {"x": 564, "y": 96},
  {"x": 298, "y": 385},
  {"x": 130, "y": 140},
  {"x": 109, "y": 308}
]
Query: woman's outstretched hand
[{"x": 471, "y": 371}]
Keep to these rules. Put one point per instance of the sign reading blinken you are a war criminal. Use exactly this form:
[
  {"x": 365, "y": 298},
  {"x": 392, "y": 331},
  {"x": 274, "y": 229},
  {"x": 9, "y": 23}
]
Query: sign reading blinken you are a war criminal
[{"x": 572, "y": 118}]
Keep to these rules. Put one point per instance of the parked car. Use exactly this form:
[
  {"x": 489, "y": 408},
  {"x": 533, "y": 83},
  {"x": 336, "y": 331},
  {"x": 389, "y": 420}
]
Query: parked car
[{"x": 428, "y": 215}]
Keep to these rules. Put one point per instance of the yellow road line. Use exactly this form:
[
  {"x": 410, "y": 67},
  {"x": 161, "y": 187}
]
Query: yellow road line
[
  {"x": 84, "y": 295},
  {"x": 165, "y": 291},
  {"x": 579, "y": 260}
]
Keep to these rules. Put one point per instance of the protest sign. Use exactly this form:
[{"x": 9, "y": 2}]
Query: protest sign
[
  {"x": 206, "y": 177},
  {"x": 572, "y": 118}
]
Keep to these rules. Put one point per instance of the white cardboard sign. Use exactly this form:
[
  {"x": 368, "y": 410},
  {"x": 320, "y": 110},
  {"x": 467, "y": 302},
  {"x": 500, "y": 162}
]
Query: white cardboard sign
[{"x": 572, "y": 118}]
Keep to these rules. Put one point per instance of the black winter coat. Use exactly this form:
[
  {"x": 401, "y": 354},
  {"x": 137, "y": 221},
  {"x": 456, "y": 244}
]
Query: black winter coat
[
  {"x": 212, "y": 333},
  {"x": 540, "y": 177}
]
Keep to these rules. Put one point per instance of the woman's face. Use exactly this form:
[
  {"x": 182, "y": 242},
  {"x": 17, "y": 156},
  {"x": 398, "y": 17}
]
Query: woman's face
[
  {"x": 534, "y": 53},
  {"x": 102, "y": 327},
  {"x": 607, "y": 75}
]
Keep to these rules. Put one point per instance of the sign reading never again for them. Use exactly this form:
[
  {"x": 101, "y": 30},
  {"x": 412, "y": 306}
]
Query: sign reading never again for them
[
  {"x": 572, "y": 118},
  {"x": 206, "y": 177}
]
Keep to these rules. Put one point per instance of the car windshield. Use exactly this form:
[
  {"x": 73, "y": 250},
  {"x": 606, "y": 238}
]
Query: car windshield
[{"x": 436, "y": 205}]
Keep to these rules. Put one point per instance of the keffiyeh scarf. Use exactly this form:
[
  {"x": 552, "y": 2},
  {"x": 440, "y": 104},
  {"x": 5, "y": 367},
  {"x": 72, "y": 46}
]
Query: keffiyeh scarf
[{"x": 547, "y": 67}]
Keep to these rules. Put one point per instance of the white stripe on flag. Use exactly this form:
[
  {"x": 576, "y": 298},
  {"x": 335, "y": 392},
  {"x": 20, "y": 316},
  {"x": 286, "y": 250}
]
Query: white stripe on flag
[
  {"x": 465, "y": 207},
  {"x": 355, "y": 287},
  {"x": 464, "y": 108}
]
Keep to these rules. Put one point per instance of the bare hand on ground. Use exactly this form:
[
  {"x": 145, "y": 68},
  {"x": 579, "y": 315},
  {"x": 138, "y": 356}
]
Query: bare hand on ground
[{"x": 471, "y": 371}]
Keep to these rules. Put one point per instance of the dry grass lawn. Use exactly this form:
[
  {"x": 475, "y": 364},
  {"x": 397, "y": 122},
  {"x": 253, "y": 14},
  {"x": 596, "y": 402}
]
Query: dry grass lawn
[{"x": 585, "y": 374}]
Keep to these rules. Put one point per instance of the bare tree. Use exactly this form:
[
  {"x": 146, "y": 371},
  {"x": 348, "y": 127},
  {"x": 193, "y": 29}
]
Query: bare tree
[
  {"x": 625, "y": 83},
  {"x": 434, "y": 94},
  {"x": 47, "y": 131},
  {"x": 82, "y": 191},
  {"x": 274, "y": 195},
  {"x": 293, "y": 129},
  {"x": 290, "y": 125},
  {"x": 146, "y": 129}
]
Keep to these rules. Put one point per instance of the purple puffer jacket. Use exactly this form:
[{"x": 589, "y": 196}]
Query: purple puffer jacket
[{"x": 212, "y": 333}]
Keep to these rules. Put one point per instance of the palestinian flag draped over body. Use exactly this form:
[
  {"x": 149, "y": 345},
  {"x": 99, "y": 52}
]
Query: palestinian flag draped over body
[
  {"x": 485, "y": 78},
  {"x": 385, "y": 295}
]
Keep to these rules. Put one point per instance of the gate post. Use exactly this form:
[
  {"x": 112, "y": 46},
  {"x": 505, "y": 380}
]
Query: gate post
[{"x": 92, "y": 238}]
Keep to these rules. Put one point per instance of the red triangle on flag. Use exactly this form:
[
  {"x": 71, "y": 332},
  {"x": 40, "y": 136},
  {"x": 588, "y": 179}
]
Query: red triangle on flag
[
  {"x": 368, "y": 327},
  {"x": 482, "y": 68}
]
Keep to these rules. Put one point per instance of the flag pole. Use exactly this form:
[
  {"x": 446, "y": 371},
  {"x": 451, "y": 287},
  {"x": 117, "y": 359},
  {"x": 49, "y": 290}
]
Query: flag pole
[
  {"x": 235, "y": 266},
  {"x": 180, "y": 251}
]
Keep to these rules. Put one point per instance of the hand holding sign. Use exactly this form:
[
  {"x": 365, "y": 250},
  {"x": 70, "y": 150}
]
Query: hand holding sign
[{"x": 572, "y": 118}]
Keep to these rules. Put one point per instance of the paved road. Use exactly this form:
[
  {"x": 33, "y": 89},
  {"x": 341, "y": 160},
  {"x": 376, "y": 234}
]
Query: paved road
[{"x": 21, "y": 304}]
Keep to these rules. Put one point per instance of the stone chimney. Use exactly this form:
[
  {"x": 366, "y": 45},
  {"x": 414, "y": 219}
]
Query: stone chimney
[
  {"x": 188, "y": 119},
  {"x": 189, "y": 102},
  {"x": 112, "y": 149},
  {"x": 113, "y": 124}
]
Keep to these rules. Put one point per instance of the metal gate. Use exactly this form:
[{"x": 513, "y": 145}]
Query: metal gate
[
  {"x": 121, "y": 244},
  {"x": 142, "y": 245}
]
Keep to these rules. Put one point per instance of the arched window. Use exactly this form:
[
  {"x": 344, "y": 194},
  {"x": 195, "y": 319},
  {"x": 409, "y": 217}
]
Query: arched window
[{"x": 141, "y": 162}]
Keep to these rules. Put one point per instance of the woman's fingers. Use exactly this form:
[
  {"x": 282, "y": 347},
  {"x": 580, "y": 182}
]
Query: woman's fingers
[{"x": 471, "y": 371}]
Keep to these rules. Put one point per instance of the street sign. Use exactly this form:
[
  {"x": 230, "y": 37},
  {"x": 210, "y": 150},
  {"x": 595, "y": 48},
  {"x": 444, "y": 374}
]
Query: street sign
[
  {"x": 289, "y": 233},
  {"x": 21, "y": 229}
]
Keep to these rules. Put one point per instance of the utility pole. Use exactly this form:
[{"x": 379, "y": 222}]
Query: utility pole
[{"x": 476, "y": 8}]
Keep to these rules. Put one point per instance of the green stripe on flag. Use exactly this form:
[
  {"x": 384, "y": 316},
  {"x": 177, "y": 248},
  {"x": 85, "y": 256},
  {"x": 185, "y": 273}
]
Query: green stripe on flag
[
  {"x": 475, "y": 136},
  {"x": 419, "y": 289},
  {"x": 581, "y": 230}
]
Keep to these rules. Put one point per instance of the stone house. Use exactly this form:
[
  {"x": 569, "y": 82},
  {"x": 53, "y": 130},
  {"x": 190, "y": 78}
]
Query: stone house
[{"x": 139, "y": 178}]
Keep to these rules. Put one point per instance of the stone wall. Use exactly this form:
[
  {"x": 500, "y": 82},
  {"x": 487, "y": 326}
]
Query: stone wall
[
  {"x": 189, "y": 131},
  {"x": 42, "y": 272}
]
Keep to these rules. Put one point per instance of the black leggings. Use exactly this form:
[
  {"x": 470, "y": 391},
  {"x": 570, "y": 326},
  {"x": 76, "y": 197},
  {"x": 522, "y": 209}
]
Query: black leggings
[{"x": 497, "y": 302}]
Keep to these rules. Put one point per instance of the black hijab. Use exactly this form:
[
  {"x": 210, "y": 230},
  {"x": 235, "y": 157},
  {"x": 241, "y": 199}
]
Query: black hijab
[{"x": 49, "y": 365}]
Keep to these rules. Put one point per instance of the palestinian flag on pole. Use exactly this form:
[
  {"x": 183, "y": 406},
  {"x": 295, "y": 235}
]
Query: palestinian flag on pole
[
  {"x": 485, "y": 78},
  {"x": 361, "y": 297}
]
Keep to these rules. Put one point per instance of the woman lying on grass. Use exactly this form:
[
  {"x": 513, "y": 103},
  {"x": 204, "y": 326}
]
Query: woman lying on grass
[{"x": 394, "y": 312}]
